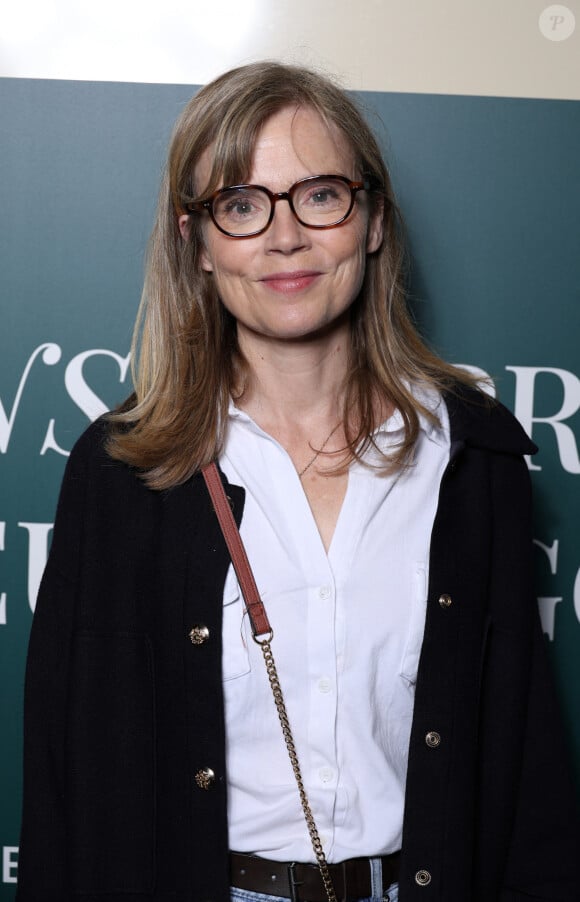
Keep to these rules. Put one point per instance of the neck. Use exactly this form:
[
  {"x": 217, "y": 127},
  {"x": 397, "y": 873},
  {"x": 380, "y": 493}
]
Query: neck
[{"x": 295, "y": 383}]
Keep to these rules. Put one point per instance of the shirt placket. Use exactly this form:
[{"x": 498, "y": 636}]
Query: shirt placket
[{"x": 322, "y": 776}]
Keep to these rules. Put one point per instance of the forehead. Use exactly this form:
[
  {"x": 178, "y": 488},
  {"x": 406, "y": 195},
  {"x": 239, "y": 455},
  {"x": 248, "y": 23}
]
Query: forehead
[{"x": 293, "y": 143}]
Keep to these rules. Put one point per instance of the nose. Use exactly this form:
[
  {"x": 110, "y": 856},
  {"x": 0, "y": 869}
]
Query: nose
[{"x": 286, "y": 234}]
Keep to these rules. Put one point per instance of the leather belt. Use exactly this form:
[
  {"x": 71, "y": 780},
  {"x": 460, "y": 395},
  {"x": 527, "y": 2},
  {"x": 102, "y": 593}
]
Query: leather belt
[{"x": 351, "y": 879}]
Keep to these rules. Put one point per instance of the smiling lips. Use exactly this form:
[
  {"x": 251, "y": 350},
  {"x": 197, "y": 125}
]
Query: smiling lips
[{"x": 290, "y": 282}]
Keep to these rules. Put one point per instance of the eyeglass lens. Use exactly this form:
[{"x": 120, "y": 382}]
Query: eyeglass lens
[{"x": 317, "y": 202}]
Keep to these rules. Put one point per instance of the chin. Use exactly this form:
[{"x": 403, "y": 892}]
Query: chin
[{"x": 305, "y": 331}]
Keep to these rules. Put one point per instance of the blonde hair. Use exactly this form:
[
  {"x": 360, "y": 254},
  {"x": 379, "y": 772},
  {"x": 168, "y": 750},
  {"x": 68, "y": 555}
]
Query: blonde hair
[{"x": 186, "y": 361}]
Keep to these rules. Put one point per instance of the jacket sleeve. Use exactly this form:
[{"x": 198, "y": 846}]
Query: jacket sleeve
[
  {"x": 543, "y": 843},
  {"x": 42, "y": 867},
  {"x": 543, "y": 858}
]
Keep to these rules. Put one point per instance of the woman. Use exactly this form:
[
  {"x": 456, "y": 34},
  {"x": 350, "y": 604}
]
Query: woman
[{"x": 384, "y": 505}]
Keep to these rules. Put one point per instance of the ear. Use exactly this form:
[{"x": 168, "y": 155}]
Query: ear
[
  {"x": 375, "y": 231},
  {"x": 205, "y": 260},
  {"x": 184, "y": 222}
]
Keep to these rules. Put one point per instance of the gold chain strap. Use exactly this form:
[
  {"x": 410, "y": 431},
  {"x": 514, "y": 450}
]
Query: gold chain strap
[{"x": 289, "y": 740}]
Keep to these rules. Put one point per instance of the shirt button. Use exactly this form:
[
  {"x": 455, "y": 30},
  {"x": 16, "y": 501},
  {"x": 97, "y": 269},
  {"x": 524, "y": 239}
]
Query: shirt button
[
  {"x": 324, "y": 684},
  {"x": 326, "y": 774},
  {"x": 423, "y": 878},
  {"x": 445, "y": 601},
  {"x": 433, "y": 739},
  {"x": 324, "y": 592},
  {"x": 198, "y": 634}
]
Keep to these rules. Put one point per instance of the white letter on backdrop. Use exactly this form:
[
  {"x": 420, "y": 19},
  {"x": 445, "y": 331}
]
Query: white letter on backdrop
[
  {"x": 9, "y": 864},
  {"x": 548, "y": 605},
  {"x": 524, "y": 411},
  {"x": 51, "y": 354},
  {"x": 37, "y": 554},
  {"x": 83, "y": 396}
]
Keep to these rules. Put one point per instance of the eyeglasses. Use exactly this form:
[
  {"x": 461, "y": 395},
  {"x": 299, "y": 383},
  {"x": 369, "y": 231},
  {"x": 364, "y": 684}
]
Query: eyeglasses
[{"x": 317, "y": 202}]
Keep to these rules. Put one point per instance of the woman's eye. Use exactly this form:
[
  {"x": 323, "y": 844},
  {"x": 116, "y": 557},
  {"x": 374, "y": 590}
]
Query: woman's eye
[
  {"x": 240, "y": 207},
  {"x": 323, "y": 196}
]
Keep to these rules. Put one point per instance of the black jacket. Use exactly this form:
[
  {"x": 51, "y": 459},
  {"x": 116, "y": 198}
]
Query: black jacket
[{"x": 123, "y": 710}]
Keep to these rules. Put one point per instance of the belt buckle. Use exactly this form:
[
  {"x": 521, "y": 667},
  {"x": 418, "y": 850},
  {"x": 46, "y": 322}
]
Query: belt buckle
[{"x": 293, "y": 882}]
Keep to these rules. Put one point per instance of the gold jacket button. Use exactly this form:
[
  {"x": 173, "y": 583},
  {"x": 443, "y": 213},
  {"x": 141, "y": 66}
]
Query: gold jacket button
[
  {"x": 205, "y": 778},
  {"x": 433, "y": 739},
  {"x": 198, "y": 634},
  {"x": 445, "y": 601},
  {"x": 423, "y": 878}
]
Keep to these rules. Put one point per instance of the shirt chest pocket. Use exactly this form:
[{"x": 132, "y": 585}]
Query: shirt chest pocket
[{"x": 235, "y": 631}]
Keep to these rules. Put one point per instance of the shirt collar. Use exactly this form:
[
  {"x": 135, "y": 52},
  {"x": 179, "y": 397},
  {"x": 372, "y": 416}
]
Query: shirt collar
[
  {"x": 436, "y": 431},
  {"x": 472, "y": 418},
  {"x": 388, "y": 431}
]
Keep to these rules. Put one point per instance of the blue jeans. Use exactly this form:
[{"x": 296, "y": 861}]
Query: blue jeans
[{"x": 244, "y": 895}]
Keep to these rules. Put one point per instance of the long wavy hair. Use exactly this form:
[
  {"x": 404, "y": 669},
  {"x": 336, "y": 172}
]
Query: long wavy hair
[{"x": 186, "y": 360}]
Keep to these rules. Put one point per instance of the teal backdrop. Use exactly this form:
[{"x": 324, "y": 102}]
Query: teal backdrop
[{"x": 490, "y": 189}]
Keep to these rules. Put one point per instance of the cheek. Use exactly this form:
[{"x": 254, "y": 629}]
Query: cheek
[
  {"x": 352, "y": 254},
  {"x": 224, "y": 257},
  {"x": 228, "y": 268}
]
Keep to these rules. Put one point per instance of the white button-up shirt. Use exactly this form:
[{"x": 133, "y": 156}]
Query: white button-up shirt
[{"x": 348, "y": 628}]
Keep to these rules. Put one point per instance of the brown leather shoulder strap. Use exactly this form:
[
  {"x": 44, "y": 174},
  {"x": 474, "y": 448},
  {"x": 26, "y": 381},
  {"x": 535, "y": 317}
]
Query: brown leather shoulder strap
[
  {"x": 256, "y": 610},
  {"x": 261, "y": 627}
]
